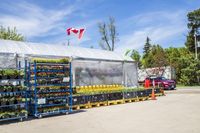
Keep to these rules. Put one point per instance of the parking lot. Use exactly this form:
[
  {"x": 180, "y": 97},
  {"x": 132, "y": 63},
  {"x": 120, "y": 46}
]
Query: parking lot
[{"x": 177, "y": 112}]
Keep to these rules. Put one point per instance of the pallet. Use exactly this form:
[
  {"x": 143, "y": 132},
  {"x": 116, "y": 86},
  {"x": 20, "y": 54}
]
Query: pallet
[
  {"x": 159, "y": 94},
  {"x": 78, "y": 107},
  {"x": 131, "y": 100},
  {"x": 115, "y": 102},
  {"x": 143, "y": 98},
  {"x": 97, "y": 104}
]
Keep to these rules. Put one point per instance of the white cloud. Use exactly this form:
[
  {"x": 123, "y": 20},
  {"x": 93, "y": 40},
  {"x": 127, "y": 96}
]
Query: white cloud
[
  {"x": 157, "y": 16},
  {"x": 33, "y": 21},
  {"x": 89, "y": 27},
  {"x": 159, "y": 26}
]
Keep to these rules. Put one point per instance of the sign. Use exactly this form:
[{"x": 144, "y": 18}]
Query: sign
[
  {"x": 198, "y": 40},
  {"x": 66, "y": 79},
  {"x": 198, "y": 44},
  {"x": 154, "y": 83},
  {"x": 42, "y": 101}
]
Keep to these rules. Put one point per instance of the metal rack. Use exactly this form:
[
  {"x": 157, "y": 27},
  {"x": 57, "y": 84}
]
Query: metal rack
[
  {"x": 13, "y": 102},
  {"x": 46, "y": 96}
]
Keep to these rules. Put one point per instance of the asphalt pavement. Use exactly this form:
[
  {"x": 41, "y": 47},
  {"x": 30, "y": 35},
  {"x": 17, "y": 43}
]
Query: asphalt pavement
[{"x": 177, "y": 112}]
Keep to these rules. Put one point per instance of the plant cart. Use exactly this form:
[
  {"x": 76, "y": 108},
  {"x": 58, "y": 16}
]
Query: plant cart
[
  {"x": 13, "y": 97},
  {"x": 50, "y": 87}
]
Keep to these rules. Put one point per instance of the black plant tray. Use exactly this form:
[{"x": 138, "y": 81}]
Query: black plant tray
[
  {"x": 98, "y": 98},
  {"x": 115, "y": 96},
  {"x": 77, "y": 100},
  {"x": 157, "y": 90},
  {"x": 131, "y": 94},
  {"x": 142, "y": 93}
]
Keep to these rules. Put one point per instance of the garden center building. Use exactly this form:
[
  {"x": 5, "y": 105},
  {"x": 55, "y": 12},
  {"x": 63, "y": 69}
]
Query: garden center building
[{"x": 89, "y": 66}]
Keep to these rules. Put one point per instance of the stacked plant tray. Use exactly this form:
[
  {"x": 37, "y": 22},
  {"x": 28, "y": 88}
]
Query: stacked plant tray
[
  {"x": 13, "y": 101},
  {"x": 98, "y": 88},
  {"x": 96, "y": 99},
  {"x": 49, "y": 87}
]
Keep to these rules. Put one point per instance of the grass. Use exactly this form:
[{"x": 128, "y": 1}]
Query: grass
[{"x": 181, "y": 86}]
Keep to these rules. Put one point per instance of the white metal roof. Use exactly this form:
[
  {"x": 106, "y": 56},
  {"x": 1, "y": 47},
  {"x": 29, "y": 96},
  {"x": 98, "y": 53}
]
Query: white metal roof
[{"x": 27, "y": 48}]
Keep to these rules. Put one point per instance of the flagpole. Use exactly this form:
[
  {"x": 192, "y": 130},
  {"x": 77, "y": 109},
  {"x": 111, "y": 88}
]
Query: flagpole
[
  {"x": 79, "y": 32},
  {"x": 68, "y": 42}
]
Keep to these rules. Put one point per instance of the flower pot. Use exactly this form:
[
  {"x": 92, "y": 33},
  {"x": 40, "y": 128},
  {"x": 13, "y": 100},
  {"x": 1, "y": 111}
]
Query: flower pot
[{"x": 3, "y": 102}]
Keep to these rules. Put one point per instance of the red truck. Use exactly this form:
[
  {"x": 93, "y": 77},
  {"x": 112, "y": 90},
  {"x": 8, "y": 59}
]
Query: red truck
[{"x": 162, "y": 82}]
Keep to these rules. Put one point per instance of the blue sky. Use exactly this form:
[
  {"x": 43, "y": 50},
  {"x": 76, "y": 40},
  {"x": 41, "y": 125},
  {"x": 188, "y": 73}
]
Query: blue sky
[{"x": 165, "y": 22}]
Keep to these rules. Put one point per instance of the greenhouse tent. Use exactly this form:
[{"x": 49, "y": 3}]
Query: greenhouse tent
[{"x": 89, "y": 66}]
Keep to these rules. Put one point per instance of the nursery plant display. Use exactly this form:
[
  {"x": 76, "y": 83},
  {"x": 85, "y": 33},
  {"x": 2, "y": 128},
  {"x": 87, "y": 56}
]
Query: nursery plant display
[
  {"x": 45, "y": 60},
  {"x": 11, "y": 74},
  {"x": 99, "y": 89},
  {"x": 49, "y": 82},
  {"x": 13, "y": 100},
  {"x": 97, "y": 95}
]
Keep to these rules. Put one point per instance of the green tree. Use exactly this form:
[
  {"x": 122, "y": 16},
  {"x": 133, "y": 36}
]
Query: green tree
[
  {"x": 147, "y": 47},
  {"x": 172, "y": 55},
  {"x": 134, "y": 54},
  {"x": 177, "y": 58},
  {"x": 147, "y": 57},
  {"x": 193, "y": 25},
  {"x": 190, "y": 74},
  {"x": 187, "y": 68},
  {"x": 10, "y": 34},
  {"x": 147, "y": 61},
  {"x": 108, "y": 34},
  {"x": 156, "y": 57}
]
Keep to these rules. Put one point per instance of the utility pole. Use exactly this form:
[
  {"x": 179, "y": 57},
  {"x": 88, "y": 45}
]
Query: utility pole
[
  {"x": 68, "y": 42},
  {"x": 195, "y": 42}
]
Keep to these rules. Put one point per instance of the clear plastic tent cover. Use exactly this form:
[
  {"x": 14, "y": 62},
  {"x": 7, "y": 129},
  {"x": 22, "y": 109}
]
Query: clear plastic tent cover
[
  {"x": 91, "y": 72},
  {"x": 8, "y": 60},
  {"x": 41, "y": 49},
  {"x": 87, "y": 72},
  {"x": 130, "y": 74},
  {"x": 96, "y": 67}
]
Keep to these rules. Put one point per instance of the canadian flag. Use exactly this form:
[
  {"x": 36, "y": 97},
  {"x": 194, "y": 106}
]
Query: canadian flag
[{"x": 78, "y": 32}]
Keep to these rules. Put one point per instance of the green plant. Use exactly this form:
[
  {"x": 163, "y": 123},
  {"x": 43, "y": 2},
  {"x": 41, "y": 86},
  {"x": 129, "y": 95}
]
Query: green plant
[
  {"x": 11, "y": 73},
  {"x": 43, "y": 60},
  {"x": 22, "y": 113}
]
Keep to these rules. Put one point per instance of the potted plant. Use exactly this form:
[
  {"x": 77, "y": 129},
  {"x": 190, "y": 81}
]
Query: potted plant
[
  {"x": 15, "y": 88},
  {"x": 10, "y": 73},
  {"x": 3, "y": 101},
  {"x": 5, "y": 115},
  {"x": 19, "y": 100},
  {"x": 11, "y": 101},
  {"x": 20, "y": 74},
  {"x": 1, "y": 74},
  {"x": 1, "y": 88},
  {"x": 9, "y": 88},
  {"x": 23, "y": 113},
  {"x": 1, "y": 115},
  {"x": 12, "y": 114}
]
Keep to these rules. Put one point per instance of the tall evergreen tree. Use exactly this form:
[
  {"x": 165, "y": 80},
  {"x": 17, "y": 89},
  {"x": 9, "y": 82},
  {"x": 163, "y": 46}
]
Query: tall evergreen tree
[
  {"x": 147, "y": 47},
  {"x": 193, "y": 25}
]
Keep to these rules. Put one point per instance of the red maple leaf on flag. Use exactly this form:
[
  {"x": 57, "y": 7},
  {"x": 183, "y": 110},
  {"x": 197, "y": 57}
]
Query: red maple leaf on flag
[{"x": 80, "y": 32}]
